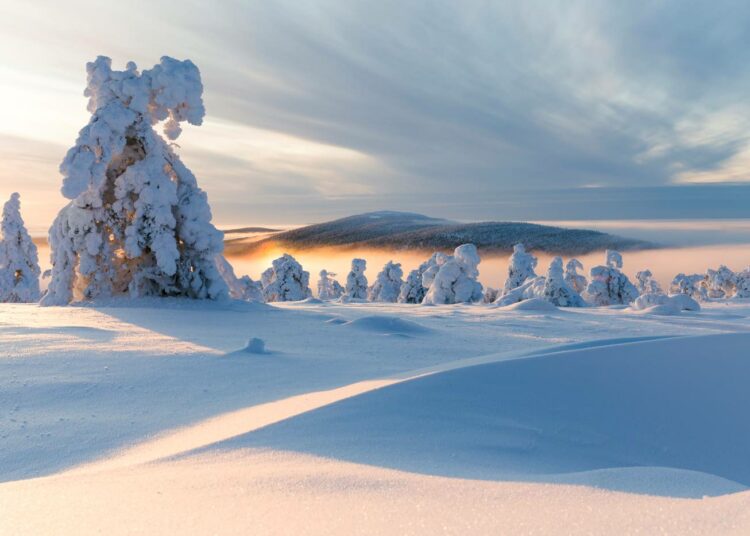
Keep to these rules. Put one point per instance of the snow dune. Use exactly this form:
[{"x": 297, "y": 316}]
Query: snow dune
[{"x": 667, "y": 403}]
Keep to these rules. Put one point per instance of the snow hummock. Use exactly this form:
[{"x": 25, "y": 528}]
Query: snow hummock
[{"x": 387, "y": 285}]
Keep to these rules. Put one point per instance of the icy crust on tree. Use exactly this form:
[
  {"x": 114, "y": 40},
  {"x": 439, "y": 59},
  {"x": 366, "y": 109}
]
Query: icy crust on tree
[
  {"x": 609, "y": 285},
  {"x": 520, "y": 269},
  {"x": 556, "y": 289},
  {"x": 137, "y": 222},
  {"x": 576, "y": 281},
  {"x": 19, "y": 262},
  {"x": 242, "y": 288},
  {"x": 285, "y": 280},
  {"x": 455, "y": 279},
  {"x": 328, "y": 287},
  {"x": 387, "y": 286},
  {"x": 356, "y": 281}
]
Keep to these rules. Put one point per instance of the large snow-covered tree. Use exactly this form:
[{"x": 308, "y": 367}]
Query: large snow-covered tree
[
  {"x": 520, "y": 269},
  {"x": 609, "y": 285},
  {"x": 285, "y": 280},
  {"x": 19, "y": 262},
  {"x": 556, "y": 289},
  {"x": 455, "y": 280},
  {"x": 328, "y": 287},
  {"x": 356, "y": 281},
  {"x": 387, "y": 285},
  {"x": 137, "y": 222}
]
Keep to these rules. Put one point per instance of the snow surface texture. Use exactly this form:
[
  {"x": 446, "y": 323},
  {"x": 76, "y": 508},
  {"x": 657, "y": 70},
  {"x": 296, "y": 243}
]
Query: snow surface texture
[
  {"x": 356, "y": 281},
  {"x": 328, "y": 287},
  {"x": 137, "y": 221},
  {"x": 609, "y": 285},
  {"x": 455, "y": 278},
  {"x": 387, "y": 286},
  {"x": 19, "y": 261},
  {"x": 285, "y": 280},
  {"x": 547, "y": 407}
]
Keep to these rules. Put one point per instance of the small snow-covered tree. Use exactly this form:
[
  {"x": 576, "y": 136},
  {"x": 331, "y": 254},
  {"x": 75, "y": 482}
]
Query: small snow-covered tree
[
  {"x": 456, "y": 278},
  {"x": 646, "y": 284},
  {"x": 556, "y": 289},
  {"x": 691, "y": 285},
  {"x": 520, "y": 269},
  {"x": 720, "y": 283},
  {"x": 356, "y": 281},
  {"x": 742, "y": 284},
  {"x": 137, "y": 222},
  {"x": 576, "y": 281},
  {"x": 412, "y": 290},
  {"x": 19, "y": 262},
  {"x": 387, "y": 286},
  {"x": 285, "y": 280},
  {"x": 328, "y": 287},
  {"x": 609, "y": 285}
]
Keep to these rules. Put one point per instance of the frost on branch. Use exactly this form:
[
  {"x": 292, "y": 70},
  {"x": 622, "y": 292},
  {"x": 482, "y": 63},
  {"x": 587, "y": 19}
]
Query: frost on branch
[
  {"x": 356, "y": 281},
  {"x": 609, "y": 285},
  {"x": 690, "y": 285},
  {"x": 455, "y": 279},
  {"x": 388, "y": 284},
  {"x": 19, "y": 262},
  {"x": 285, "y": 280},
  {"x": 520, "y": 269},
  {"x": 137, "y": 221},
  {"x": 556, "y": 289},
  {"x": 328, "y": 287},
  {"x": 576, "y": 281}
]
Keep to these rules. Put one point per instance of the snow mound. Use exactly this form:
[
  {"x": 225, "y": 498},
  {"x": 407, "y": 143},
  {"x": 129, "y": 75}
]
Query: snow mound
[
  {"x": 533, "y": 304},
  {"x": 387, "y": 325},
  {"x": 256, "y": 346},
  {"x": 661, "y": 304},
  {"x": 612, "y": 416}
]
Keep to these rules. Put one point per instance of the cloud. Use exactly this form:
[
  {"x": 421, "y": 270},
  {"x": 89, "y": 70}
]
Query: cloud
[{"x": 317, "y": 103}]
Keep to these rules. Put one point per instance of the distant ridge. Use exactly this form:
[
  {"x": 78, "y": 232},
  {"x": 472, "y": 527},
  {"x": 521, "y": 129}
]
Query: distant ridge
[{"x": 410, "y": 231}]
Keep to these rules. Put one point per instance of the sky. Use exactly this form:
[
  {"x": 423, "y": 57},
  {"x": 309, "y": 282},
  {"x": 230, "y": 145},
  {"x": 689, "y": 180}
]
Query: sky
[{"x": 536, "y": 110}]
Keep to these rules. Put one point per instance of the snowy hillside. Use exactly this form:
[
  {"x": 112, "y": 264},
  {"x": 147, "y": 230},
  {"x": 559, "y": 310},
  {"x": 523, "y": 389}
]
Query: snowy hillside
[
  {"x": 372, "y": 418},
  {"x": 404, "y": 230}
]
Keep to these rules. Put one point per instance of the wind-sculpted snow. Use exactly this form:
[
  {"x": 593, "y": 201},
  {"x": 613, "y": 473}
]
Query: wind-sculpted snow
[
  {"x": 665, "y": 403},
  {"x": 413, "y": 231}
]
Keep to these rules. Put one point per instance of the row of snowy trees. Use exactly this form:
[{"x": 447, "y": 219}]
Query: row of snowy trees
[{"x": 447, "y": 279}]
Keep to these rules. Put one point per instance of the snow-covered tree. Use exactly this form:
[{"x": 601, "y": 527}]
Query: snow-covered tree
[
  {"x": 691, "y": 285},
  {"x": 387, "y": 286},
  {"x": 576, "y": 281},
  {"x": 520, "y": 269},
  {"x": 285, "y": 280},
  {"x": 242, "y": 288},
  {"x": 556, "y": 289},
  {"x": 456, "y": 278},
  {"x": 19, "y": 262},
  {"x": 137, "y": 221},
  {"x": 531, "y": 289},
  {"x": 720, "y": 283},
  {"x": 609, "y": 285},
  {"x": 646, "y": 284},
  {"x": 742, "y": 284},
  {"x": 490, "y": 294},
  {"x": 412, "y": 290},
  {"x": 356, "y": 281},
  {"x": 328, "y": 287}
]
